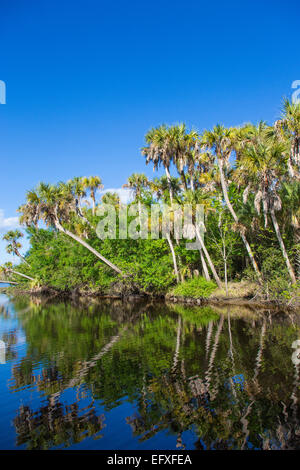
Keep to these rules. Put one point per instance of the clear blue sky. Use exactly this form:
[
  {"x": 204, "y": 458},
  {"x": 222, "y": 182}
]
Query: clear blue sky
[{"x": 86, "y": 80}]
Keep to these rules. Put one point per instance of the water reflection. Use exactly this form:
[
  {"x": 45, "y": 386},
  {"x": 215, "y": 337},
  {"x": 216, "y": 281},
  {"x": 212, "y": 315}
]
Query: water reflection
[{"x": 204, "y": 378}]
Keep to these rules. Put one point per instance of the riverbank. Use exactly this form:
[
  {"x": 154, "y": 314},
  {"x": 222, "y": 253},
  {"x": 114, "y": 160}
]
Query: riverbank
[{"x": 241, "y": 295}]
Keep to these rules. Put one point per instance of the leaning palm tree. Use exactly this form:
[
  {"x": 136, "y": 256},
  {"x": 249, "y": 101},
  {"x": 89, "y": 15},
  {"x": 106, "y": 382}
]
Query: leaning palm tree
[
  {"x": 14, "y": 246},
  {"x": 262, "y": 166},
  {"x": 55, "y": 207},
  {"x": 7, "y": 269},
  {"x": 92, "y": 183},
  {"x": 220, "y": 140}
]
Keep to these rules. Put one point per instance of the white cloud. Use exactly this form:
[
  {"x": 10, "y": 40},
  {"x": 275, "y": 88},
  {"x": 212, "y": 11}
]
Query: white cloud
[{"x": 7, "y": 223}]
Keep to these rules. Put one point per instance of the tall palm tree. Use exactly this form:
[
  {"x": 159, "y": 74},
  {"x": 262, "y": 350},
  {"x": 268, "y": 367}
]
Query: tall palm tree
[
  {"x": 14, "y": 246},
  {"x": 186, "y": 151},
  {"x": 160, "y": 151},
  {"x": 92, "y": 183},
  {"x": 158, "y": 186},
  {"x": 75, "y": 188},
  {"x": 137, "y": 182},
  {"x": 173, "y": 144},
  {"x": 290, "y": 196},
  {"x": 55, "y": 207},
  {"x": 193, "y": 198},
  {"x": 288, "y": 128},
  {"x": 263, "y": 166},
  {"x": 220, "y": 140},
  {"x": 112, "y": 199},
  {"x": 78, "y": 188}
]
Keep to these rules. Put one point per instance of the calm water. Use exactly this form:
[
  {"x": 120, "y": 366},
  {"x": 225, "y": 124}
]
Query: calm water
[{"x": 113, "y": 375}]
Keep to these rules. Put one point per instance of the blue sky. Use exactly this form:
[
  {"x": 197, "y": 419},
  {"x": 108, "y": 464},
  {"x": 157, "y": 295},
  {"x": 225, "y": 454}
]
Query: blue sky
[{"x": 86, "y": 79}]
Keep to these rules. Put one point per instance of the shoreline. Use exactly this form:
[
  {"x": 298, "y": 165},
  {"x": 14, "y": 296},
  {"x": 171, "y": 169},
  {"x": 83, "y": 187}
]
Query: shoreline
[{"x": 76, "y": 294}]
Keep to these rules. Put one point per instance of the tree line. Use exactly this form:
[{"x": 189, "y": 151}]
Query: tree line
[{"x": 247, "y": 178}]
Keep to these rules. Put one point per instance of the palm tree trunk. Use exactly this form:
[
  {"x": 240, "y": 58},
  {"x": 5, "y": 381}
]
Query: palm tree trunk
[
  {"x": 22, "y": 258},
  {"x": 192, "y": 182},
  {"x": 174, "y": 257},
  {"x": 204, "y": 266},
  {"x": 79, "y": 212},
  {"x": 89, "y": 247},
  {"x": 21, "y": 274},
  {"x": 225, "y": 268},
  {"x": 199, "y": 238},
  {"x": 94, "y": 203},
  {"x": 8, "y": 282},
  {"x": 183, "y": 178},
  {"x": 140, "y": 213},
  {"x": 235, "y": 217},
  {"x": 169, "y": 184},
  {"x": 282, "y": 246}
]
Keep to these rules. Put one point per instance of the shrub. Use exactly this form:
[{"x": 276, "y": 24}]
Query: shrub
[{"x": 196, "y": 287}]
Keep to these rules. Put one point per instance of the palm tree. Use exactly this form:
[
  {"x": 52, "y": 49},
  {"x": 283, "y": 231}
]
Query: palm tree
[
  {"x": 288, "y": 128},
  {"x": 185, "y": 152},
  {"x": 92, "y": 183},
  {"x": 112, "y": 199},
  {"x": 72, "y": 188},
  {"x": 220, "y": 140},
  {"x": 193, "y": 198},
  {"x": 55, "y": 206},
  {"x": 173, "y": 144},
  {"x": 290, "y": 196},
  {"x": 160, "y": 150},
  {"x": 158, "y": 186},
  {"x": 7, "y": 269},
  {"x": 137, "y": 182},
  {"x": 30, "y": 210},
  {"x": 263, "y": 166},
  {"x": 78, "y": 188},
  {"x": 14, "y": 245}
]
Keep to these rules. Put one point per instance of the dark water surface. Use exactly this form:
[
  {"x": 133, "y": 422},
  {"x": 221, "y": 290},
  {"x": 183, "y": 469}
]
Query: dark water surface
[{"x": 114, "y": 375}]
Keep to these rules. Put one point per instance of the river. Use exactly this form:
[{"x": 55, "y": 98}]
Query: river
[{"x": 117, "y": 375}]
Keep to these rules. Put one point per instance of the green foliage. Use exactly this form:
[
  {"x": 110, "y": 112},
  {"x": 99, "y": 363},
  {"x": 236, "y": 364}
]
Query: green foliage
[
  {"x": 196, "y": 287},
  {"x": 56, "y": 260}
]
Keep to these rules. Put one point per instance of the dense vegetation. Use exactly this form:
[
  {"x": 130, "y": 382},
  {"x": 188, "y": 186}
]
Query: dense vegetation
[{"x": 247, "y": 179}]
